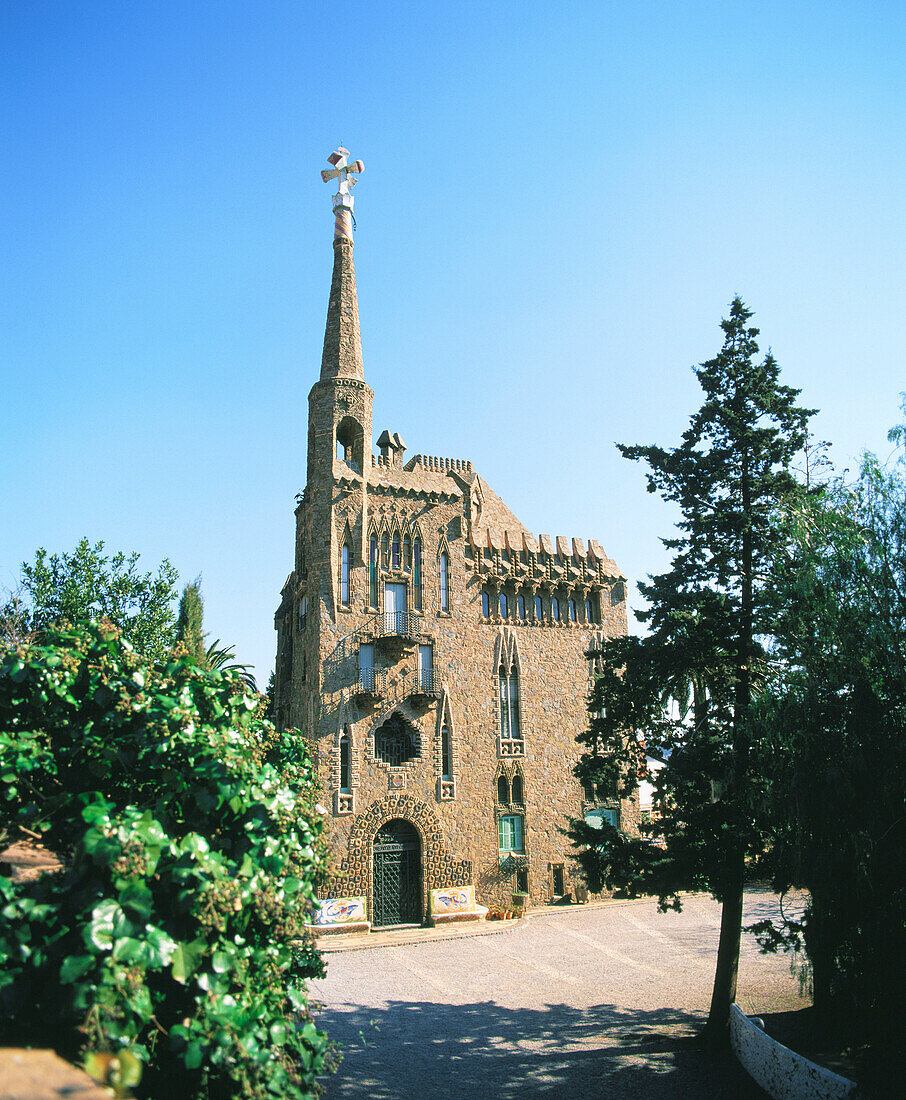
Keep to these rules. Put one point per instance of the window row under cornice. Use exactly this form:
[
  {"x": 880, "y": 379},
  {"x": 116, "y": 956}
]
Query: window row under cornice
[{"x": 550, "y": 609}]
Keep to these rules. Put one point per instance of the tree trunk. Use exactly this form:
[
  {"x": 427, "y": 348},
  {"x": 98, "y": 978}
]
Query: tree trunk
[{"x": 717, "y": 1030}]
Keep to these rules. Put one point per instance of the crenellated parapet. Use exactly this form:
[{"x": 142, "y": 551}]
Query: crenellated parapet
[
  {"x": 505, "y": 555},
  {"x": 430, "y": 462}
]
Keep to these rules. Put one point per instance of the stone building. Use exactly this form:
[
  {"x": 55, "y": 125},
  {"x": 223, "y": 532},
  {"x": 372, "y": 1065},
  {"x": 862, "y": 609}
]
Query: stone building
[{"x": 433, "y": 651}]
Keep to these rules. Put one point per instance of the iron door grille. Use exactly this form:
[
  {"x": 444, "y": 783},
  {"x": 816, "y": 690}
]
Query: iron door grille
[{"x": 397, "y": 875}]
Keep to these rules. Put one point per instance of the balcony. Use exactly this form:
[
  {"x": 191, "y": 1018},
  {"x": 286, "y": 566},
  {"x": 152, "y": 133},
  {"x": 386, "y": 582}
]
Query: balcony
[
  {"x": 426, "y": 684},
  {"x": 397, "y": 624},
  {"x": 372, "y": 684}
]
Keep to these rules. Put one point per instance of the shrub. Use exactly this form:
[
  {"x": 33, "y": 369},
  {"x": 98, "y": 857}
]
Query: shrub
[{"x": 174, "y": 939}]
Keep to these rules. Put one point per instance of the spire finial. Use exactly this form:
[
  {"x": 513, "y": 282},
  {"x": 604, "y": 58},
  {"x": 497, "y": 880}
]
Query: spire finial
[{"x": 345, "y": 173}]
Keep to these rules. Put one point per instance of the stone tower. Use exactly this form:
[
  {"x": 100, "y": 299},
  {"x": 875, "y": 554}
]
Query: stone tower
[{"x": 433, "y": 653}]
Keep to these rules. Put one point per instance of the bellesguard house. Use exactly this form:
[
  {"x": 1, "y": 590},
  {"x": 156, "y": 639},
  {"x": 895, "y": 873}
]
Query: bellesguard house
[{"x": 433, "y": 652}]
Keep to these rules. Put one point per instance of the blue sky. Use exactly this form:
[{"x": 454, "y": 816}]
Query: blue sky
[{"x": 558, "y": 205}]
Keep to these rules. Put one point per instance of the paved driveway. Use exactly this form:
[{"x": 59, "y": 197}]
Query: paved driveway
[{"x": 597, "y": 1002}]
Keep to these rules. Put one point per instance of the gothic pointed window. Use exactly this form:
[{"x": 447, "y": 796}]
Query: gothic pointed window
[
  {"x": 588, "y": 617},
  {"x": 344, "y": 574},
  {"x": 555, "y": 609},
  {"x": 417, "y": 574},
  {"x": 372, "y": 572},
  {"x": 539, "y": 610},
  {"x": 444, "y": 581},
  {"x": 385, "y": 551},
  {"x": 407, "y": 553},
  {"x": 504, "y": 606},
  {"x": 503, "y": 790},
  {"x": 345, "y": 763},
  {"x": 505, "y": 728},
  {"x": 518, "y": 796},
  {"x": 485, "y": 604},
  {"x": 572, "y": 610},
  {"x": 395, "y": 551},
  {"x": 446, "y": 752},
  {"x": 520, "y": 607},
  {"x": 513, "y": 684}
]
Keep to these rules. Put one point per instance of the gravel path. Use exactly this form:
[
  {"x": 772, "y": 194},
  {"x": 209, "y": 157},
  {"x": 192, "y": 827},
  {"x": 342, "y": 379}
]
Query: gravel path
[{"x": 597, "y": 1002}]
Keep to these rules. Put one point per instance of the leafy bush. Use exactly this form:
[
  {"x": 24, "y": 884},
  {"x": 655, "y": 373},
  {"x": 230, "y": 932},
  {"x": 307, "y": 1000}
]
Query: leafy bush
[{"x": 174, "y": 939}]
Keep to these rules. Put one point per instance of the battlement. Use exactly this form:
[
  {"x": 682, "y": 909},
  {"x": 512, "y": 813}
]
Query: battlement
[
  {"x": 512, "y": 554},
  {"x": 440, "y": 465}
]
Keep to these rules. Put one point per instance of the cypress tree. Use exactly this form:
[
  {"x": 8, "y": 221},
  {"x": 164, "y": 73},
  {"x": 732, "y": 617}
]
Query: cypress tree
[
  {"x": 707, "y": 618},
  {"x": 189, "y": 622}
]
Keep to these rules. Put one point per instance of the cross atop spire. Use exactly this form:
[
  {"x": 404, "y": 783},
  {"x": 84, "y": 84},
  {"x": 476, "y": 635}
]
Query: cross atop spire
[{"x": 345, "y": 173}]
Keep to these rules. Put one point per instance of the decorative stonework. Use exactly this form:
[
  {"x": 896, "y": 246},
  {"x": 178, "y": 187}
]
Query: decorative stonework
[{"x": 439, "y": 869}]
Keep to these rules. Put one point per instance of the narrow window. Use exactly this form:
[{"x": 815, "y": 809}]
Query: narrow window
[
  {"x": 372, "y": 573},
  {"x": 395, "y": 551},
  {"x": 366, "y": 667},
  {"x": 344, "y": 576},
  {"x": 385, "y": 552},
  {"x": 503, "y": 791},
  {"x": 485, "y": 604},
  {"x": 539, "y": 609},
  {"x": 505, "y": 729},
  {"x": 514, "y": 703},
  {"x": 444, "y": 582},
  {"x": 572, "y": 611},
  {"x": 341, "y": 450},
  {"x": 344, "y": 763},
  {"x": 426, "y": 668},
  {"x": 446, "y": 750},
  {"x": 517, "y": 789},
  {"x": 588, "y": 616},
  {"x": 407, "y": 553},
  {"x": 509, "y": 833},
  {"x": 303, "y": 612},
  {"x": 504, "y": 606},
  {"x": 520, "y": 607},
  {"x": 555, "y": 608},
  {"x": 417, "y": 574}
]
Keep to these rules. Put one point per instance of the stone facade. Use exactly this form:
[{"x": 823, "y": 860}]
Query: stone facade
[{"x": 433, "y": 652}]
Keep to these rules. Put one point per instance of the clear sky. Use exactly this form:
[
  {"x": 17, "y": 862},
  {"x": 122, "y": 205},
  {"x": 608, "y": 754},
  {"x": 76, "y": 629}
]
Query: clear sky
[{"x": 559, "y": 202}]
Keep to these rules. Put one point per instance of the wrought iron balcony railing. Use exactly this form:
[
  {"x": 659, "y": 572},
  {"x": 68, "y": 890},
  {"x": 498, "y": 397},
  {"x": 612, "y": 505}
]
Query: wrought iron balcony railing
[
  {"x": 373, "y": 681},
  {"x": 398, "y": 624},
  {"x": 427, "y": 682}
]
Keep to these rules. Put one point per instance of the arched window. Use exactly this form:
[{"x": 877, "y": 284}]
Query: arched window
[
  {"x": 345, "y": 766},
  {"x": 520, "y": 606},
  {"x": 344, "y": 576},
  {"x": 510, "y": 733},
  {"x": 385, "y": 551},
  {"x": 539, "y": 609},
  {"x": 372, "y": 572},
  {"x": 444, "y": 581},
  {"x": 503, "y": 790},
  {"x": 395, "y": 551},
  {"x": 514, "y": 703},
  {"x": 555, "y": 609},
  {"x": 417, "y": 574},
  {"x": 505, "y": 727},
  {"x": 393, "y": 743},
  {"x": 446, "y": 752},
  {"x": 518, "y": 797},
  {"x": 504, "y": 606},
  {"x": 485, "y": 604},
  {"x": 588, "y": 615},
  {"x": 572, "y": 610},
  {"x": 407, "y": 553}
]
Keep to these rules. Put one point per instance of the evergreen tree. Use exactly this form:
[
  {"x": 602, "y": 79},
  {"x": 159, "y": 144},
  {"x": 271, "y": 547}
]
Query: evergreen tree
[
  {"x": 189, "y": 623},
  {"x": 707, "y": 618},
  {"x": 88, "y": 584}
]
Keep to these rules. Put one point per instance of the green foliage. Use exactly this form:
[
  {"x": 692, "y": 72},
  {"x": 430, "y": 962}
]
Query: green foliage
[
  {"x": 88, "y": 584},
  {"x": 189, "y": 623},
  {"x": 833, "y": 753},
  {"x": 220, "y": 657},
  {"x": 175, "y": 935},
  {"x": 706, "y": 616}
]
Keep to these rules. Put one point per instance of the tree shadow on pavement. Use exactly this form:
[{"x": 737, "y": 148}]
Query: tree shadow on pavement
[{"x": 411, "y": 1049}]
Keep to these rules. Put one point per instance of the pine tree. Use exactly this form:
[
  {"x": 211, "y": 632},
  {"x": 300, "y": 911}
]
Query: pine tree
[
  {"x": 707, "y": 620},
  {"x": 189, "y": 623}
]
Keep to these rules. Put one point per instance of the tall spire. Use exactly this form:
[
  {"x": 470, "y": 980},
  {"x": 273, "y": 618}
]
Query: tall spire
[{"x": 342, "y": 357}]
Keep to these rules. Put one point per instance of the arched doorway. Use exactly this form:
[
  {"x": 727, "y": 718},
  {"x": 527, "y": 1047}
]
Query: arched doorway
[{"x": 397, "y": 875}]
